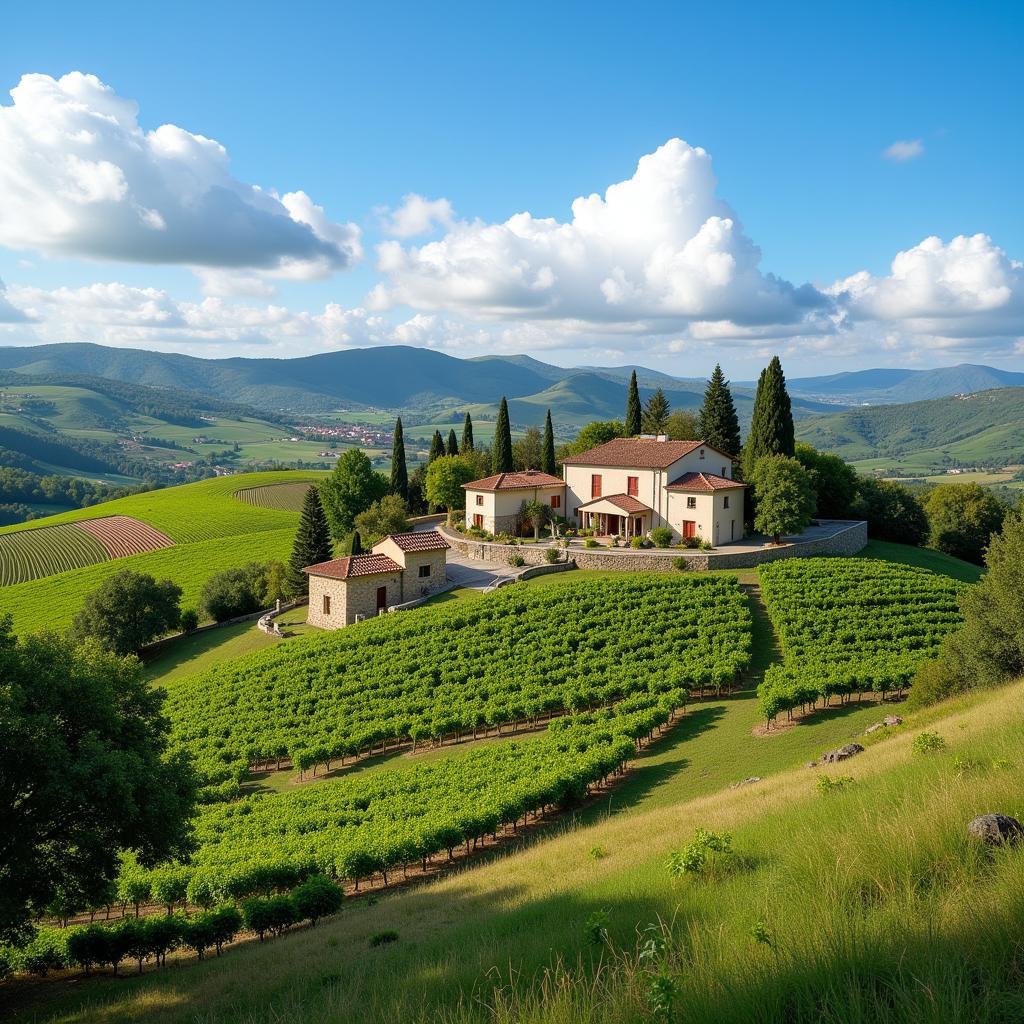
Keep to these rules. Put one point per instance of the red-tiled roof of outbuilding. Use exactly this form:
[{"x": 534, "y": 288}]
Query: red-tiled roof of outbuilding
[
  {"x": 521, "y": 481},
  {"x": 703, "y": 482},
  {"x": 353, "y": 565},
  {"x": 428, "y": 540}
]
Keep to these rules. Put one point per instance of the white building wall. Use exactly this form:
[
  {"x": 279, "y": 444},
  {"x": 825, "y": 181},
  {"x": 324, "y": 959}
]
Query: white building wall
[{"x": 500, "y": 509}]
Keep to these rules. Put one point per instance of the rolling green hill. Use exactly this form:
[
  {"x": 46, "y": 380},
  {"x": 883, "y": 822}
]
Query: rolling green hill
[
  {"x": 967, "y": 430},
  {"x": 212, "y": 529}
]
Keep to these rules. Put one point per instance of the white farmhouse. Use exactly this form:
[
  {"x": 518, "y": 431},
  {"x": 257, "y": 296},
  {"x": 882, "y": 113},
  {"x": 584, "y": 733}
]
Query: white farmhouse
[
  {"x": 493, "y": 503},
  {"x": 632, "y": 484}
]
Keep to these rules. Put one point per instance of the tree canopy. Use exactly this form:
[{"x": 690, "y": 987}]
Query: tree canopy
[
  {"x": 771, "y": 427},
  {"x": 656, "y": 413},
  {"x": 962, "y": 518},
  {"x": 528, "y": 450},
  {"x": 352, "y": 487},
  {"x": 785, "y": 496},
  {"x": 127, "y": 611},
  {"x": 84, "y": 774},
  {"x": 682, "y": 426},
  {"x": 594, "y": 434},
  {"x": 835, "y": 482},
  {"x": 236, "y": 591},
  {"x": 445, "y": 477},
  {"x": 452, "y": 447},
  {"x": 892, "y": 511},
  {"x": 547, "y": 462},
  {"x": 718, "y": 423},
  {"x": 399, "y": 470},
  {"x": 436, "y": 447},
  {"x": 389, "y": 515},
  {"x": 633, "y": 409},
  {"x": 312, "y": 543},
  {"x": 467, "y": 435},
  {"x": 501, "y": 453}
]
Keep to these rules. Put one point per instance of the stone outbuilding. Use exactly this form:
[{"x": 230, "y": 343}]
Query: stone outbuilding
[{"x": 401, "y": 567}]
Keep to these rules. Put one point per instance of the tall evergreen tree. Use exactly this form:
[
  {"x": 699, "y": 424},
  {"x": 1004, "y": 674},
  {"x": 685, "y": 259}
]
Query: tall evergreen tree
[
  {"x": 436, "y": 447},
  {"x": 356, "y": 546},
  {"x": 656, "y": 413},
  {"x": 633, "y": 411},
  {"x": 501, "y": 454},
  {"x": 312, "y": 543},
  {"x": 771, "y": 428},
  {"x": 719, "y": 424},
  {"x": 467, "y": 435},
  {"x": 453, "y": 445},
  {"x": 548, "y": 463},
  {"x": 399, "y": 471}
]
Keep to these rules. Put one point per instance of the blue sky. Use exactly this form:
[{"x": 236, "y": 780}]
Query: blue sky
[{"x": 523, "y": 109}]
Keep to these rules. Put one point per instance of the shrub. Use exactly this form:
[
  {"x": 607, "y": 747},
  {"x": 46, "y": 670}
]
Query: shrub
[
  {"x": 832, "y": 784},
  {"x": 317, "y": 897},
  {"x": 383, "y": 938},
  {"x": 596, "y": 927},
  {"x": 516, "y": 560},
  {"x": 662, "y": 536},
  {"x": 928, "y": 743},
  {"x": 705, "y": 545},
  {"x": 636, "y": 542},
  {"x": 691, "y": 542},
  {"x": 551, "y": 556},
  {"x": 235, "y": 592},
  {"x": 709, "y": 854},
  {"x": 590, "y": 543},
  {"x": 189, "y": 620},
  {"x": 680, "y": 563}
]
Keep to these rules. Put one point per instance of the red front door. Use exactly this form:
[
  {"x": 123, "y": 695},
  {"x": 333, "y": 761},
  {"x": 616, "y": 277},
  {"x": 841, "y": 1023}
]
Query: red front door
[
  {"x": 689, "y": 528},
  {"x": 382, "y": 598},
  {"x": 478, "y": 520}
]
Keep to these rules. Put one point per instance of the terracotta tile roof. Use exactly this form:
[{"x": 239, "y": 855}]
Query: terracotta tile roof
[
  {"x": 636, "y": 453},
  {"x": 428, "y": 540},
  {"x": 703, "y": 482},
  {"x": 353, "y": 565},
  {"x": 525, "y": 480},
  {"x": 624, "y": 501}
]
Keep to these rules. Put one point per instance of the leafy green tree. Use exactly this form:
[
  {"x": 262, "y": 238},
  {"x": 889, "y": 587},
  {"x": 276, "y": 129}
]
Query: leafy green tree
[
  {"x": 683, "y": 426},
  {"x": 656, "y": 413},
  {"x": 988, "y": 649},
  {"x": 389, "y": 515},
  {"x": 127, "y": 611},
  {"x": 771, "y": 428},
  {"x": 445, "y": 477},
  {"x": 962, "y": 519},
  {"x": 547, "y": 462},
  {"x": 234, "y": 592},
  {"x": 536, "y": 514},
  {"x": 276, "y": 588},
  {"x": 593, "y": 434},
  {"x": 436, "y": 447},
  {"x": 893, "y": 512},
  {"x": 528, "y": 450},
  {"x": 317, "y": 897},
  {"x": 163, "y": 935},
  {"x": 352, "y": 487},
  {"x": 452, "y": 447},
  {"x": 785, "y": 496},
  {"x": 835, "y": 482},
  {"x": 168, "y": 885},
  {"x": 399, "y": 471},
  {"x": 719, "y": 425},
  {"x": 633, "y": 411},
  {"x": 501, "y": 451},
  {"x": 84, "y": 774},
  {"x": 467, "y": 435},
  {"x": 417, "y": 483},
  {"x": 312, "y": 543}
]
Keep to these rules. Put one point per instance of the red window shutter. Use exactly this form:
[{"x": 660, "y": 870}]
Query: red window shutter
[
  {"x": 633, "y": 485},
  {"x": 595, "y": 485}
]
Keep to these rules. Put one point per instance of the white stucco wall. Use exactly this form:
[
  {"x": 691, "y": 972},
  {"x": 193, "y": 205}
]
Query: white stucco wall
[{"x": 500, "y": 509}]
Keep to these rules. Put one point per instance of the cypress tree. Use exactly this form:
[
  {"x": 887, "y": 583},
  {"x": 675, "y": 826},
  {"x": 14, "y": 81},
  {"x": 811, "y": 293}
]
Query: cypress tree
[
  {"x": 719, "y": 424},
  {"x": 312, "y": 543},
  {"x": 548, "y": 461},
  {"x": 771, "y": 428},
  {"x": 501, "y": 454},
  {"x": 453, "y": 445},
  {"x": 436, "y": 447},
  {"x": 356, "y": 547},
  {"x": 633, "y": 414},
  {"x": 467, "y": 435},
  {"x": 656, "y": 413},
  {"x": 399, "y": 471}
]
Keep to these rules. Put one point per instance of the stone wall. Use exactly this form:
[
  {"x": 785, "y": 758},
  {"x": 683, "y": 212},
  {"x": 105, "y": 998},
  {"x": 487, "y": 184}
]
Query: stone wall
[{"x": 848, "y": 541}]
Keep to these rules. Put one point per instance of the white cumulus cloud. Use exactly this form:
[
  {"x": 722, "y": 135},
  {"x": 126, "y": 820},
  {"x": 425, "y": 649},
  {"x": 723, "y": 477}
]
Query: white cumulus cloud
[
  {"x": 79, "y": 177},
  {"x": 10, "y": 314},
  {"x": 658, "y": 247},
  {"x": 903, "y": 150},
  {"x": 417, "y": 216}
]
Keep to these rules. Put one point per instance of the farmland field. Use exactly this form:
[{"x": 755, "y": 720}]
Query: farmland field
[
  {"x": 287, "y": 497},
  {"x": 29, "y": 554}
]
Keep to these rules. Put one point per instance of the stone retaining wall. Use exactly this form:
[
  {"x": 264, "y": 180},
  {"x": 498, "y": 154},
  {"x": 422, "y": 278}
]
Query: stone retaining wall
[{"x": 848, "y": 541}]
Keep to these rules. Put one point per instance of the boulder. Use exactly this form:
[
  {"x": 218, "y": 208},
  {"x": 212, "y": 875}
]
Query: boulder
[
  {"x": 996, "y": 829},
  {"x": 745, "y": 782},
  {"x": 842, "y": 754},
  {"x": 874, "y": 728},
  {"x": 892, "y": 720}
]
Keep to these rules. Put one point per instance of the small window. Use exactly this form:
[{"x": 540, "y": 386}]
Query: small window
[
  {"x": 725, "y": 501},
  {"x": 702, "y": 453},
  {"x": 633, "y": 485},
  {"x": 327, "y": 604},
  {"x": 725, "y": 471},
  {"x": 424, "y": 571},
  {"x": 556, "y": 501},
  {"x": 479, "y": 499},
  {"x": 595, "y": 485},
  {"x": 691, "y": 502}
]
